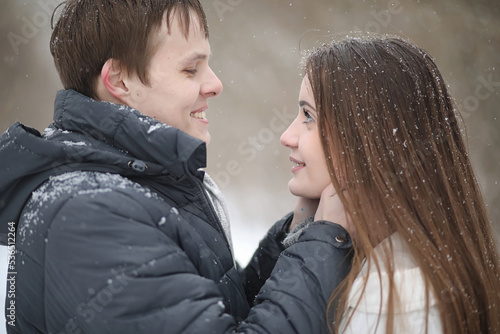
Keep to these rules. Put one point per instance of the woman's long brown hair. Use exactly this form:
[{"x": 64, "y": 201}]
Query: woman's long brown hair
[{"x": 391, "y": 133}]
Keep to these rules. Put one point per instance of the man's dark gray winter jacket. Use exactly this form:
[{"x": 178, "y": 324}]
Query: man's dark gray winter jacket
[{"x": 115, "y": 234}]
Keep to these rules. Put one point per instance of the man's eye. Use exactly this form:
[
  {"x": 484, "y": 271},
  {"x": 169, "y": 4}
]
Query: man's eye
[
  {"x": 308, "y": 116},
  {"x": 193, "y": 71}
]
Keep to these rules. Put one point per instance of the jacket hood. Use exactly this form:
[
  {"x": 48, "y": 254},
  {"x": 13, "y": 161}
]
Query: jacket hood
[{"x": 90, "y": 135}]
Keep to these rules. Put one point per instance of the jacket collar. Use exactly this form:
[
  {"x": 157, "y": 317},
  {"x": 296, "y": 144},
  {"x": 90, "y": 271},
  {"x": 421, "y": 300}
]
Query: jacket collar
[{"x": 128, "y": 130}]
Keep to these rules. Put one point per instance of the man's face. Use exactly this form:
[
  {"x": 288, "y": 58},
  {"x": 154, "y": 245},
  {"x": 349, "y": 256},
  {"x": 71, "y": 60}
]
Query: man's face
[{"x": 180, "y": 80}]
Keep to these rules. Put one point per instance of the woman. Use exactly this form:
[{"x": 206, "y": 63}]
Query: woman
[{"x": 394, "y": 171}]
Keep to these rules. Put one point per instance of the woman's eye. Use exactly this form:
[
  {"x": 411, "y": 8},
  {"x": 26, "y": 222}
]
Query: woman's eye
[{"x": 308, "y": 116}]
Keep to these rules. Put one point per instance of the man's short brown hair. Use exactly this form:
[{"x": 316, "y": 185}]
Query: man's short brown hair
[{"x": 89, "y": 32}]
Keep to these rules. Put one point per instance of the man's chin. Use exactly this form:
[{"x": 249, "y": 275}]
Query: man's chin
[{"x": 204, "y": 137}]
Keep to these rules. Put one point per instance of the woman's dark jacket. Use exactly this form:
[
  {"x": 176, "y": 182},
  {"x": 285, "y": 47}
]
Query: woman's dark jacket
[{"x": 115, "y": 234}]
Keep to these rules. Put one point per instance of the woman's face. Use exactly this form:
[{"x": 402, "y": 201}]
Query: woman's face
[{"x": 309, "y": 169}]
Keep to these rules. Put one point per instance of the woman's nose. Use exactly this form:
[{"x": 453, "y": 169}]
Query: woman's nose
[{"x": 289, "y": 138}]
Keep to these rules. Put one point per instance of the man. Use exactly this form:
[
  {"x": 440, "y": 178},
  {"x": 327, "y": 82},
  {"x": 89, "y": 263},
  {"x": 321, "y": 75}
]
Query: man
[{"x": 118, "y": 228}]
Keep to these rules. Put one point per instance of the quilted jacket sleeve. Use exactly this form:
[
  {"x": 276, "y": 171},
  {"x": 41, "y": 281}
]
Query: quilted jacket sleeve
[
  {"x": 264, "y": 259},
  {"x": 294, "y": 298},
  {"x": 123, "y": 270}
]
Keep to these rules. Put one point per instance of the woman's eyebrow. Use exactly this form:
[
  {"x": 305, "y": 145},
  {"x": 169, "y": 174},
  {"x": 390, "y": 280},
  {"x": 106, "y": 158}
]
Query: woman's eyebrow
[{"x": 305, "y": 103}]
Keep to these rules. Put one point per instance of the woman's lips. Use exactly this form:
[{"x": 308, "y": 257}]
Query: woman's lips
[{"x": 297, "y": 165}]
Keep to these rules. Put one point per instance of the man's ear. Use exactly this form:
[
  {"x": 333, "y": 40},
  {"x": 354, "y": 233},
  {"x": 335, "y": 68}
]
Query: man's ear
[{"x": 113, "y": 82}]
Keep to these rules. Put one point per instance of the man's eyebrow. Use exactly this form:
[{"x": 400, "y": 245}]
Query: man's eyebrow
[
  {"x": 305, "y": 103},
  {"x": 196, "y": 57}
]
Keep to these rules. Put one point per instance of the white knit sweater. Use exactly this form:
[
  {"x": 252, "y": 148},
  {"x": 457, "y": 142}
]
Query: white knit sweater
[{"x": 410, "y": 317}]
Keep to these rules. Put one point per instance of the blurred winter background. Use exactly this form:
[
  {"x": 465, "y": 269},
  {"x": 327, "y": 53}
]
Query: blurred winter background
[{"x": 256, "y": 48}]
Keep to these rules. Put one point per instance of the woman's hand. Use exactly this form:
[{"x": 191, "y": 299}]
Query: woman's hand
[
  {"x": 304, "y": 208},
  {"x": 331, "y": 209}
]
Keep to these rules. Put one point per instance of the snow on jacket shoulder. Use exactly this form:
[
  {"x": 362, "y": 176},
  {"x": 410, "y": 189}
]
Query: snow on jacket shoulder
[
  {"x": 116, "y": 256},
  {"x": 121, "y": 237}
]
